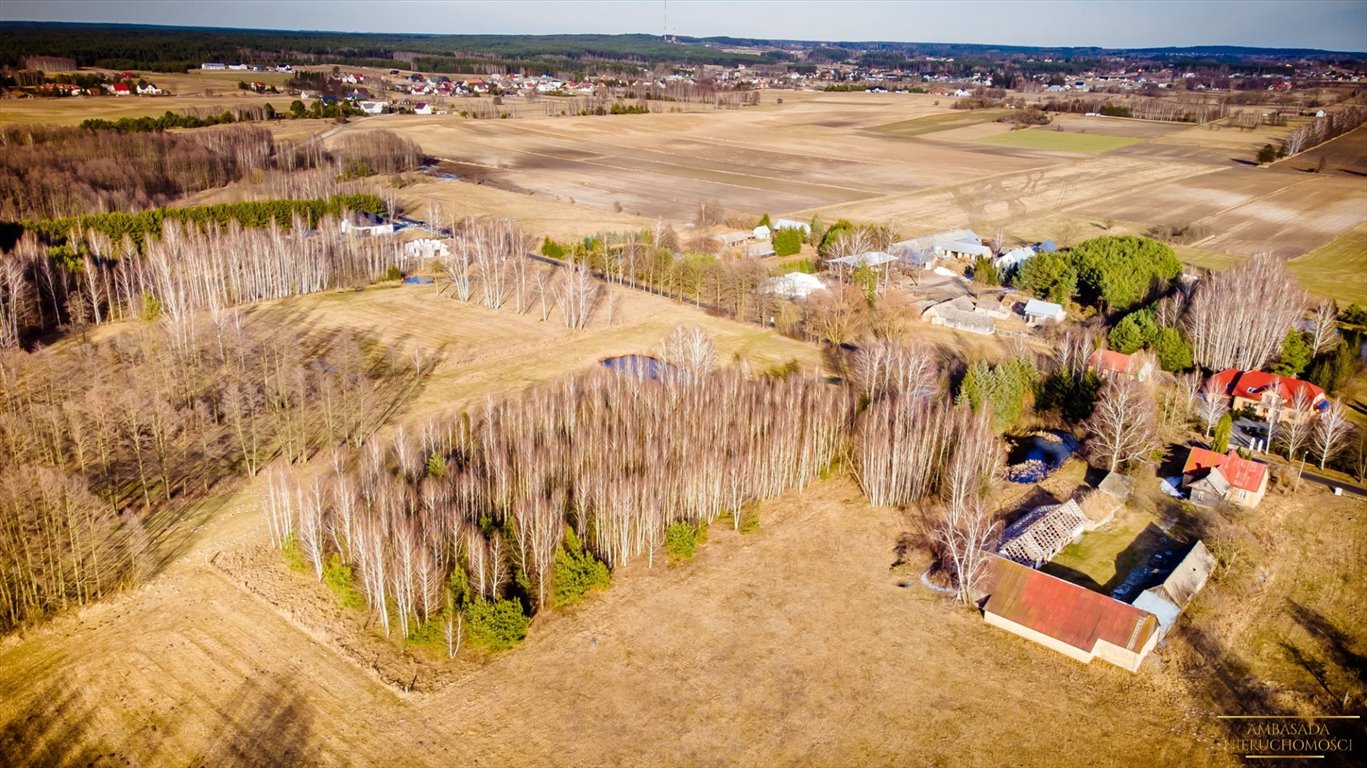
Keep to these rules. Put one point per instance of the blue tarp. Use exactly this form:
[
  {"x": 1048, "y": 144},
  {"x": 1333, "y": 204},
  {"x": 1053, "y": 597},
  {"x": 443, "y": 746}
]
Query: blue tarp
[{"x": 417, "y": 280}]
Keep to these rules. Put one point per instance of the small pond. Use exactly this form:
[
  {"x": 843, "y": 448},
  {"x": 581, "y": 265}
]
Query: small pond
[
  {"x": 1033, "y": 457},
  {"x": 641, "y": 366}
]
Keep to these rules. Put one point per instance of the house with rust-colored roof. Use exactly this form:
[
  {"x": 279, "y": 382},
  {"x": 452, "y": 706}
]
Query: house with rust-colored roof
[
  {"x": 1060, "y": 615},
  {"x": 1107, "y": 363},
  {"x": 1271, "y": 397},
  {"x": 1212, "y": 477}
]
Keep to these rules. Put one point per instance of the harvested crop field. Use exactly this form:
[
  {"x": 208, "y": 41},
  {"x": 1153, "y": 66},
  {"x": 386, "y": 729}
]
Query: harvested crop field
[
  {"x": 1345, "y": 155},
  {"x": 892, "y": 159}
]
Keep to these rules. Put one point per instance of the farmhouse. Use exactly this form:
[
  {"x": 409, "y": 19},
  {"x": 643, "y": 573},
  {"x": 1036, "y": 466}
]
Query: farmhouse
[
  {"x": 1107, "y": 363},
  {"x": 422, "y": 108},
  {"x": 120, "y": 89},
  {"x": 1040, "y": 312},
  {"x": 1075, "y": 621},
  {"x": 1271, "y": 397},
  {"x": 1212, "y": 477},
  {"x": 964, "y": 314},
  {"x": 1042, "y": 533},
  {"x": 366, "y": 224},
  {"x": 1167, "y": 600}
]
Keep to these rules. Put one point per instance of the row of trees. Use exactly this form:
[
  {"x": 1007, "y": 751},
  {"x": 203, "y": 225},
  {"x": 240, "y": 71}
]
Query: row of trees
[
  {"x": 48, "y": 172},
  {"x": 472, "y": 511},
  {"x": 184, "y": 270},
  {"x": 106, "y": 449},
  {"x": 1322, "y": 129}
]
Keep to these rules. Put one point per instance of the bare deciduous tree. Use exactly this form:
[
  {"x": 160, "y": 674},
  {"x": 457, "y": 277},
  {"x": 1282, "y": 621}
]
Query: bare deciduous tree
[
  {"x": 1123, "y": 427},
  {"x": 1238, "y": 318},
  {"x": 1331, "y": 430}
]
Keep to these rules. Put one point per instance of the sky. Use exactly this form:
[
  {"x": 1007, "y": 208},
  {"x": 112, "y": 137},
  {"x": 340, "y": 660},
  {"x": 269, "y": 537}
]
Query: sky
[{"x": 1328, "y": 24}]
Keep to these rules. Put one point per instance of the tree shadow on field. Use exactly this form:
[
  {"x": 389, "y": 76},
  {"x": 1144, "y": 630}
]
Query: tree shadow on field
[
  {"x": 270, "y": 725},
  {"x": 51, "y": 729}
]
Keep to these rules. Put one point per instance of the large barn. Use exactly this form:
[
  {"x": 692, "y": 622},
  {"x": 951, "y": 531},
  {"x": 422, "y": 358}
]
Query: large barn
[{"x": 1073, "y": 620}]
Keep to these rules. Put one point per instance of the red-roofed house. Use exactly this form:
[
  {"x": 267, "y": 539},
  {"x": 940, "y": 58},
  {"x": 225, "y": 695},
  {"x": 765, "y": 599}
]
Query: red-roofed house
[
  {"x": 120, "y": 89},
  {"x": 1073, "y": 620},
  {"x": 1271, "y": 397},
  {"x": 1215, "y": 477},
  {"x": 1107, "y": 363}
]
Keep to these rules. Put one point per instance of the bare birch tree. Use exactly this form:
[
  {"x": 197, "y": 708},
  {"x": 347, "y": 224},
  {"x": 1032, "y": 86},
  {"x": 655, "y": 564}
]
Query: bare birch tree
[
  {"x": 1123, "y": 428},
  {"x": 1331, "y": 430},
  {"x": 1238, "y": 318}
]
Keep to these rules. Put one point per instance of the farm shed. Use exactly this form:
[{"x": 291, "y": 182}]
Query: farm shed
[
  {"x": 1042, "y": 533},
  {"x": 793, "y": 224},
  {"x": 1040, "y": 312},
  {"x": 795, "y": 285},
  {"x": 728, "y": 239},
  {"x": 872, "y": 260},
  {"x": 964, "y": 314},
  {"x": 366, "y": 224},
  {"x": 1167, "y": 600},
  {"x": 425, "y": 248},
  {"x": 759, "y": 249},
  {"x": 1075, "y": 621},
  {"x": 1014, "y": 258},
  {"x": 952, "y": 243}
]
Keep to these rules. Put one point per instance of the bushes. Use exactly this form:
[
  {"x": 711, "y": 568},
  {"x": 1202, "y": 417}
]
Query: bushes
[
  {"x": 1220, "y": 443},
  {"x": 1001, "y": 387},
  {"x": 1173, "y": 350},
  {"x": 552, "y": 250},
  {"x": 1048, "y": 276},
  {"x": 339, "y": 579},
  {"x": 681, "y": 540},
  {"x": 496, "y": 625},
  {"x": 1113, "y": 273},
  {"x": 576, "y": 571},
  {"x": 787, "y": 242},
  {"x": 1121, "y": 272}
]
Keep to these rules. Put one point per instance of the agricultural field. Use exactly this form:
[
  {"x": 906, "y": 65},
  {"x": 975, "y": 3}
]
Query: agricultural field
[
  {"x": 1339, "y": 269},
  {"x": 1060, "y": 141},
  {"x": 905, "y": 161}
]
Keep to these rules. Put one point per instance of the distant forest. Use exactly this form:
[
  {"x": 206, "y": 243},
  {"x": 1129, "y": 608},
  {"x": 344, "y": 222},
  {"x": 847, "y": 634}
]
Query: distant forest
[{"x": 171, "y": 49}]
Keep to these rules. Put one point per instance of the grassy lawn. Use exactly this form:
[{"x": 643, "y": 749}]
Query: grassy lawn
[
  {"x": 1060, "y": 141},
  {"x": 1101, "y": 559},
  {"x": 1338, "y": 269},
  {"x": 958, "y": 119}
]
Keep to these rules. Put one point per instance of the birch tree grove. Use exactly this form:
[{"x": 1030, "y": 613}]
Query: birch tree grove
[
  {"x": 488, "y": 494},
  {"x": 1238, "y": 318},
  {"x": 105, "y": 447}
]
